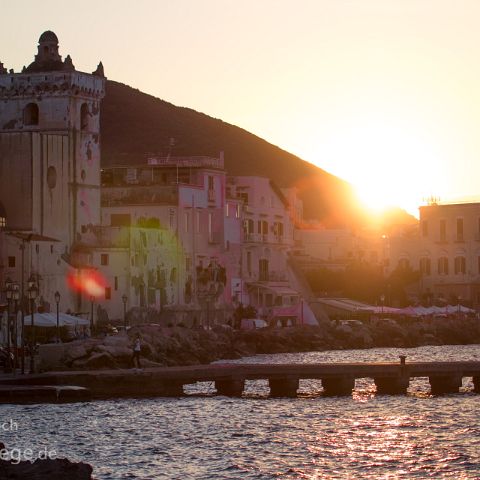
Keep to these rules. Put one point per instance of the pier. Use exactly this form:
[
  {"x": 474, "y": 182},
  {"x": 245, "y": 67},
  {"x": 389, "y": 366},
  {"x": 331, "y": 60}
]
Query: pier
[{"x": 229, "y": 379}]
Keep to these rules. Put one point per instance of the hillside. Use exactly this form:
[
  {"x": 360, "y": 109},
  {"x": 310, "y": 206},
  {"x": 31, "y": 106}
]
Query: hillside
[{"x": 134, "y": 123}]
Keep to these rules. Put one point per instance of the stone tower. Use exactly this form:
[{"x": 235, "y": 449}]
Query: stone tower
[{"x": 50, "y": 145}]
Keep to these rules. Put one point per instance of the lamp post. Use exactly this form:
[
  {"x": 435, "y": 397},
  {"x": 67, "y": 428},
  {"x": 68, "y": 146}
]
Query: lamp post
[
  {"x": 32, "y": 295},
  {"x": 16, "y": 298},
  {"x": 382, "y": 299},
  {"x": 124, "y": 300},
  {"x": 92, "y": 301},
  {"x": 459, "y": 306},
  {"x": 8, "y": 294},
  {"x": 57, "y": 301}
]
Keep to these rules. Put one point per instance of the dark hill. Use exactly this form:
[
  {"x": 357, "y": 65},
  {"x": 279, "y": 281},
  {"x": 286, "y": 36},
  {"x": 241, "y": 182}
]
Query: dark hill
[{"x": 134, "y": 123}]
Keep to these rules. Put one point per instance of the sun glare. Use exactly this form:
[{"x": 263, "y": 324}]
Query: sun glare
[{"x": 388, "y": 164}]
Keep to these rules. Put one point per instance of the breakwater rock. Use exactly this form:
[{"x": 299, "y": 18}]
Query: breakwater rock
[
  {"x": 47, "y": 469},
  {"x": 173, "y": 346}
]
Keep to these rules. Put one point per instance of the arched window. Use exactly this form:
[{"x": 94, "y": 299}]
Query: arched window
[
  {"x": 30, "y": 114},
  {"x": 460, "y": 265},
  {"x": 84, "y": 117},
  {"x": 425, "y": 266},
  {"x": 443, "y": 266}
]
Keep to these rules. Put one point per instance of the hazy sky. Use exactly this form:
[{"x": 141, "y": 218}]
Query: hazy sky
[{"x": 383, "y": 93}]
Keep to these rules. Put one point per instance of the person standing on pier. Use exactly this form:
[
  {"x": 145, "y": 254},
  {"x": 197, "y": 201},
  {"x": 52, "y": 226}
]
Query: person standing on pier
[{"x": 137, "y": 348}]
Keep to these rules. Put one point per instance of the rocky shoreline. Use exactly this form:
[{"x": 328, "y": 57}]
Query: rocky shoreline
[
  {"x": 45, "y": 469},
  {"x": 177, "y": 346}
]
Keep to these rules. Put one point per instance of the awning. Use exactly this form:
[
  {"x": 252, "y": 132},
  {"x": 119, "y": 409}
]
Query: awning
[
  {"x": 50, "y": 320},
  {"x": 31, "y": 237}
]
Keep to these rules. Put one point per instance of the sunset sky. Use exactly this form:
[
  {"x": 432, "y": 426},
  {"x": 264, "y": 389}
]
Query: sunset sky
[{"x": 383, "y": 93}]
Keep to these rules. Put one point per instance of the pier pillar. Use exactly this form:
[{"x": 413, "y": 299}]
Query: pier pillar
[
  {"x": 476, "y": 384},
  {"x": 338, "y": 385},
  {"x": 283, "y": 387},
  {"x": 445, "y": 383},
  {"x": 392, "y": 385},
  {"x": 230, "y": 387}
]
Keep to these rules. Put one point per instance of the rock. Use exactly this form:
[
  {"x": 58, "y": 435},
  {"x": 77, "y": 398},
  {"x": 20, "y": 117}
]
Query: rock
[
  {"x": 73, "y": 352},
  {"x": 47, "y": 469},
  {"x": 117, "y": 341},
  {"x": 100, "y": 360}
]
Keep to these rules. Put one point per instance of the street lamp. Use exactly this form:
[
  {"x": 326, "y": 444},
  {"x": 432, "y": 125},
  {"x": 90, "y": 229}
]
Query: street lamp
[
  {"x": 382, "y": 299},
  {"x": 9, "y": 295},
  {"x": 124, "y": 300},
  {"x": 57, "y": 301},
  {"x": 92, "y": 301},
  {"x": 32, "y": 295},
  {"x": 16, "y": 298}
]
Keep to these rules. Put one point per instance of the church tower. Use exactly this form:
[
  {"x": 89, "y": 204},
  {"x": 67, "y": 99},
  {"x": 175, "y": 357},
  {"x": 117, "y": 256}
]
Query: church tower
[{"x": 50, "y": 145}]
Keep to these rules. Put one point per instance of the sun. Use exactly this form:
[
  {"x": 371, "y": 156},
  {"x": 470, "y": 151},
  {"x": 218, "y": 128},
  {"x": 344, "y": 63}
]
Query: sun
[{"x": 388, "y": 163}]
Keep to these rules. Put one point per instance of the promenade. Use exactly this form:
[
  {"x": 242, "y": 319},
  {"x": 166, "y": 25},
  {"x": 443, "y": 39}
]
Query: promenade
[{"x": 229, "y": 379}]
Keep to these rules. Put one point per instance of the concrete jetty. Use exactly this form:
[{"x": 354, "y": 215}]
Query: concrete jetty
[{"x": 229, "y": 379}]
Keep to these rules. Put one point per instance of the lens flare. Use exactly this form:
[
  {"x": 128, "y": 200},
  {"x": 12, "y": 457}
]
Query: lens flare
[{"x": 89, "y": 282}]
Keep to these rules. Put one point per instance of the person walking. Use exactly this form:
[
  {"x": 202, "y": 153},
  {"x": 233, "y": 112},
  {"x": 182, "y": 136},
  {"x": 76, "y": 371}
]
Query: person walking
[{"x": 137, "y": 348}]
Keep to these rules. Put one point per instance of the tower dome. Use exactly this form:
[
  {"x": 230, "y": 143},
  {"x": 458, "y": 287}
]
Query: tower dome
[
  {"x": 47, "y": 59},
  {"x": 48, "y": 36}
]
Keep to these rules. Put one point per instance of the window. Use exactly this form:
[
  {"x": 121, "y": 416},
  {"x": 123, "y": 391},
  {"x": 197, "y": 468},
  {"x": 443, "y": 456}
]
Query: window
[
  {"x": 198, "y": 222},
  {"x": 425, "y": 266},
  {"x": 30, "y": 114},
  {"x": 11, "y": 262},
  {"x": 84, "y": 117},
  {"x": 104, "y": 259},
  {"x": 188, "y": 263},
  {"x": 460, "y": 265},
  {"x": 263, "y": 270},
  {"x": 3, "y": 222},
  {"x": 249, "y": 263},
  {"x": 237, "y": 211},
  {"x": 404, "y": 264},
  {"x": 425, "y": 228},
  {"x": 443, "y": 230},
  {"x": 244, "y": 197},
  {"x": 443, "y": 266},
  {"x": 210, "y": 225},
  {"x": 186, "y": 222},
  {"x": 116, "y": 283},
  {"x": 171, "y": 218},
  {"x": 459, "y": 229},
  {"x": 108, "y": 293},
  {"x": 211, "y": 183},
  {"x": 226, "y": 209}
]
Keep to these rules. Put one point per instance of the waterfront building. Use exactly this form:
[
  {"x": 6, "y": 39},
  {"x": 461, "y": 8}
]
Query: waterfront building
[
  {"x": 49, "y": 167},
  {"x": 269, "y": 281},
  {"x": 449, "y": 257},
  {"x": 182, "y": 200}
]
